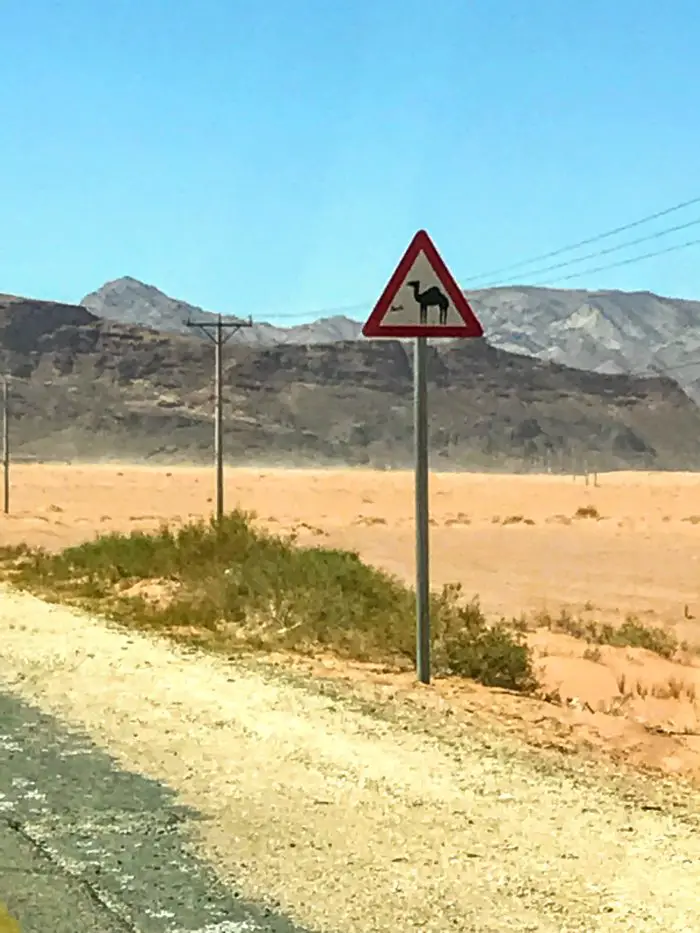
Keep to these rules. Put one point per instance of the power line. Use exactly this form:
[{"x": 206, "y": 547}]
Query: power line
[
  {"x": 606, "y": 252},
  {"x": 313, "y": 315},
  {"x": 565, "y": 278},
  {"x": 623, "y": 262},
  {"x": 586, "y": 242},
  {"x": 318, "y": 313}
]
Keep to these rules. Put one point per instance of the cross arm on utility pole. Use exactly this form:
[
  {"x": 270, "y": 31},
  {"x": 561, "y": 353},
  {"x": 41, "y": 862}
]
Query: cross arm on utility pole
[{"x": 220, "y": 331}]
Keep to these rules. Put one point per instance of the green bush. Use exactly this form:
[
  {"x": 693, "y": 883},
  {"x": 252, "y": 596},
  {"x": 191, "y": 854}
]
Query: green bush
[
  {"x": 496, "y": 655},
  {"x": 237, "y": 585},
  {"x": 634, "y": 634}
]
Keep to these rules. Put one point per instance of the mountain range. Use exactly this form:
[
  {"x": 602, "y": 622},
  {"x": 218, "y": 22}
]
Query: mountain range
[
  {"x": 87, "y": 387},
  {"x": 601, "y": 331}
]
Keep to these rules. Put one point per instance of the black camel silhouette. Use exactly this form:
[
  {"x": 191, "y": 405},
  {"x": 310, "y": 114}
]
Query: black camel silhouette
[{"x": 431, "y": 298}]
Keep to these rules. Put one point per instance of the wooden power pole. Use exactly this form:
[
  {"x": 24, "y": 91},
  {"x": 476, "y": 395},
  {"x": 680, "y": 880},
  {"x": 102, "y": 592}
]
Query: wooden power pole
[{"x": 220, "y": 331}]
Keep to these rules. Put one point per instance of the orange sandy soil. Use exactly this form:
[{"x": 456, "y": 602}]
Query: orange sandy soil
[{"x": 640, "y": 557}]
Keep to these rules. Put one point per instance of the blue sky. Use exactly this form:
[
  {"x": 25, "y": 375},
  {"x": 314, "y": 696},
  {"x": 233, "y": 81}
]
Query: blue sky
[{"x": 275, "y": 158}]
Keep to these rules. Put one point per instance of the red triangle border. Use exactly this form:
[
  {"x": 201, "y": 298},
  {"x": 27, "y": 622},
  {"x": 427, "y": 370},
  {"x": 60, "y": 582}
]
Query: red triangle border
[{"x": 375, "y": 327}]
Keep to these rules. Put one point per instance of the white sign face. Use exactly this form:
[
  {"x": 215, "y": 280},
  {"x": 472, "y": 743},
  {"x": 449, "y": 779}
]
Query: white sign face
[{"x": 422, "y": 299}]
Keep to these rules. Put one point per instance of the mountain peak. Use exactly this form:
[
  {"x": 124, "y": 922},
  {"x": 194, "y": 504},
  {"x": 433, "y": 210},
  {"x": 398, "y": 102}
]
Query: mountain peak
[
  {"x": 124, "y": 282},
  {"x": 130, "y": 301}
]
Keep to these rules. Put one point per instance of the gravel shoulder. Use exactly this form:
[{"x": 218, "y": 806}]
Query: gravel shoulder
[{"x": 353, "y": 821}]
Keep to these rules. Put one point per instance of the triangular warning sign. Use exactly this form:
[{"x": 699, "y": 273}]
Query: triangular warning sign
[{"x": 422, "y": 299}]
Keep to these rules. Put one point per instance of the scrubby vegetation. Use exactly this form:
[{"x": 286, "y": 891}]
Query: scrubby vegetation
[
  {"x": 631, "y": 634},
  {"x": 231, "y": 586}
]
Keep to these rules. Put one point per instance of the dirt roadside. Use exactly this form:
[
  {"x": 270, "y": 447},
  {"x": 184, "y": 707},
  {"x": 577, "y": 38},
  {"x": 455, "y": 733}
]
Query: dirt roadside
[{"x": 358, "y": 822}]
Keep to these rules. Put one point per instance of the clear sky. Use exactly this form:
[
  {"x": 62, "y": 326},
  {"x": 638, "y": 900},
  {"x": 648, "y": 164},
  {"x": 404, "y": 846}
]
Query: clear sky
[{"x": 274, "y": 157}]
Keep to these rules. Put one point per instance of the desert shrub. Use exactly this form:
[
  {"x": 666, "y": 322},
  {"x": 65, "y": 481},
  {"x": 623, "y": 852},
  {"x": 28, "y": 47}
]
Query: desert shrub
[
  {"x": 587, "y": 511},
  {"x": 631, "y": 634},
  {"x": 494, "y": 654},
  {"x": 234, "y": 584}
]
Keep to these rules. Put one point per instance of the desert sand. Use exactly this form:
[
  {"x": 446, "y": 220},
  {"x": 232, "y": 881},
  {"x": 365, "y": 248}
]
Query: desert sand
[
  {"x": 516, "y": 542},
  {"x": 640, "y": 556}
]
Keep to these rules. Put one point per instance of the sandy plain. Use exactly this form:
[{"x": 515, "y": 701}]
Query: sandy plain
[
  {"x": 414, "y": 808},
  {"x": 516, "y": 542}
]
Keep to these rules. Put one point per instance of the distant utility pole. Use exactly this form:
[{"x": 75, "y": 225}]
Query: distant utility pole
[
  {"x": 220, "y": 331},
  {"x": 6, "y": 443}
]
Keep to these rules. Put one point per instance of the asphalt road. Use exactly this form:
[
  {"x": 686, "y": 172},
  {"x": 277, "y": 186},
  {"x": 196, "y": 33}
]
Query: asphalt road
[{"x": 88, "y": 848}]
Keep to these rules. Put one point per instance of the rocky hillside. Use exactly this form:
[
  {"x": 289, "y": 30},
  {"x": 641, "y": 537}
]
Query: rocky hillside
[
  {"x": 608, "y": 331},
  {"x": 129, "y": 301},
  {"x": 614, "y": 332},
  {"x": 86, "y": 387}
]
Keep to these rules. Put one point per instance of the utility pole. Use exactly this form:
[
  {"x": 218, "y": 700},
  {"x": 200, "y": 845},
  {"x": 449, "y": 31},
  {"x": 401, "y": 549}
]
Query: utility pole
[{"x": 220, "y": 331}]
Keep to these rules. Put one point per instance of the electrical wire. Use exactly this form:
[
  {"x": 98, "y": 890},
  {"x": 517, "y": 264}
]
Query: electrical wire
[
  {"x": 586, "y": 242},
  {"x": 309, "y": 317},
  {"x": 622, "y": 262},
  {"x": 316, "y": 314},
  {"x": 326, "y": 312},
  {"x": 605, "y": 252}
]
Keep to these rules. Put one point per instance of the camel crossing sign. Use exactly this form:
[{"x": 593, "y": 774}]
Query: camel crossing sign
[{"x": 422, "y": 299}]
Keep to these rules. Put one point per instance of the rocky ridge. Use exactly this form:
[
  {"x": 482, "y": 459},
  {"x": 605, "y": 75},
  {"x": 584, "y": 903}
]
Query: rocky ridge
[{"x": 85, "y": 387}]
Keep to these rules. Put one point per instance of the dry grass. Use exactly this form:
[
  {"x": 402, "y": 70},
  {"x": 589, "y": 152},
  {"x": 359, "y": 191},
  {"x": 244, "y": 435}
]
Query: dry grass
[
  {"x": 674, "y": 688},
  {"x": 641, "y": 690},
  {"x": 461, "y": 518}
]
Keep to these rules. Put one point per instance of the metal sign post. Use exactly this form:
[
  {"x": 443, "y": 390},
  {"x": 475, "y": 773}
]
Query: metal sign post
[
  {"x": 420, "y": 429},
  {"x": 421, "y": 284}
]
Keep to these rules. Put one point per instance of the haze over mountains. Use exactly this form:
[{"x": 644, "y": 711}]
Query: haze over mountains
[
  {"x": 604, "y": 331},
  {"x": 85, "y": 387}
]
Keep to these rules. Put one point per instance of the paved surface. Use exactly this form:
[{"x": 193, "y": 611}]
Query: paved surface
[{"x": 87, "y": 848}]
